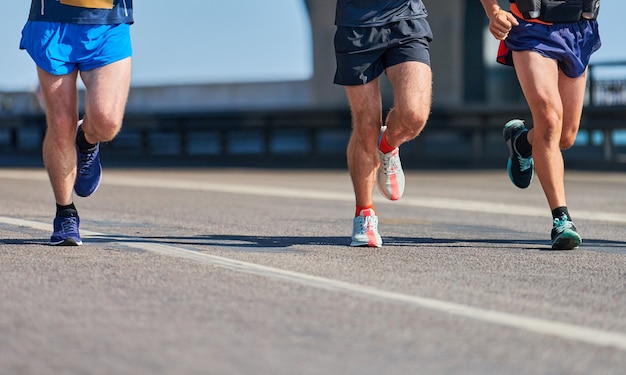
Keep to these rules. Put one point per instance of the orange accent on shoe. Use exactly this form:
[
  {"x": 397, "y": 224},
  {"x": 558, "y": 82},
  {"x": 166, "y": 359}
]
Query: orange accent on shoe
[
  {"x": 395, "y": 190},
  {"x": 384, "y": 146},
  {"x": 363, "y": 208}
]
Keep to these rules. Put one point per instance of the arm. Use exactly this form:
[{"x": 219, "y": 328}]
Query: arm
[{"x": 500, "y": 21}]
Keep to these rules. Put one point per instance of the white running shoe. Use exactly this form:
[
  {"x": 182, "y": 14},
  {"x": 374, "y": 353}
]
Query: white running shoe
[
  {"x": 365, "y": 230},
  {"x": 390, "y": 175}
]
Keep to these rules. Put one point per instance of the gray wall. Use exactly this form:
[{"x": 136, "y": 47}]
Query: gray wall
[{"x": 446, "y": 18}]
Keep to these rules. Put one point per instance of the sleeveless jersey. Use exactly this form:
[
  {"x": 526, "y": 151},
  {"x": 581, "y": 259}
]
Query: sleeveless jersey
[{"x": 87, "y": 12}]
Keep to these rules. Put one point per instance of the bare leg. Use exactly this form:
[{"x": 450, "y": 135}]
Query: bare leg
[
  {"x": 555, "y": 102},
  {"x": 107, "y": 94},
  {"x": 412, "y": 88},
  {"x": 59, "y": 152},
  {"x": 412, "y": 83},
  {"x": 362, "y": 153}
]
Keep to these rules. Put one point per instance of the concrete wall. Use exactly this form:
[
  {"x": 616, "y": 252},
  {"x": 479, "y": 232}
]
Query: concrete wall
[{"x": 446, "y": 19}]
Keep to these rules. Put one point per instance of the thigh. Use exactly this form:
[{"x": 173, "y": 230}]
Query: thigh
[
  {"x": 412, "y": 86},
  {"x": 107, "y": 88},
  {"x": 61, "y": 100},
  {"x": 539, "y": 78},
  {"x": 366, "y": 104},
  {"x": 572, "y": 92}
]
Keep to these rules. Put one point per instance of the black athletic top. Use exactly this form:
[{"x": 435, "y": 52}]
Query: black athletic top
[{"x": 368, "y": 13}]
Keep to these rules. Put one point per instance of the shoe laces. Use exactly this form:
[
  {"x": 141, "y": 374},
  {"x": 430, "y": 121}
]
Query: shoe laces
[
  {"x": 86, "y": 159},
  {"x": 368, "y": 224},
  {"x": 561, "y": 224},
  {"x": 390, "y": 164},
  {"x": 524, "y": 163},
  {"x": 69, "y": 224}
]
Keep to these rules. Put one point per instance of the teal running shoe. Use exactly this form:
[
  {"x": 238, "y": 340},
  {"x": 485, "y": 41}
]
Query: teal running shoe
[
  {"x": 521, "y": 169},
  {"x": 564, "y": 235}
]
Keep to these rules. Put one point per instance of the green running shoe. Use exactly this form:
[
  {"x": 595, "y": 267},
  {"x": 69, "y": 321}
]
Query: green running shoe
[
  {"x": 521, "y": 170},
  {"x": 564, "y": 236}
]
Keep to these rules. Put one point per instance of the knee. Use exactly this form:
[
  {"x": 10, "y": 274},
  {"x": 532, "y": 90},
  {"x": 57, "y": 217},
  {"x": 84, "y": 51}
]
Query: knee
[
  {"x": 568, "y": 138},
  {"x": 549, "y": 127},
  {"x": 101, "y": 127},
  {"x": 410, "y": 121}
]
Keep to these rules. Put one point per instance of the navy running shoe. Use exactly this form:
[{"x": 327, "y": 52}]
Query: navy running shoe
[
  {"x": 88, "y": 171},
  {"x": 521, "y": 169},
  {"x": 564, "y": 235},
  {"x": 66, "y": 232}
]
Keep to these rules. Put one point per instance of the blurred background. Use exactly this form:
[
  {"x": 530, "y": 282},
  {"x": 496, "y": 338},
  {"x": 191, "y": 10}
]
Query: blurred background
[{"x": 249, "y": 83}]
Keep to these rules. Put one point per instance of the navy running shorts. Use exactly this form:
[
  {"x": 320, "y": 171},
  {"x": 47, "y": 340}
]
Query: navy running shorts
[
  {"x": 363, "y": 53},
  {"x": 61, "y": 48},
  {"x": 570, "y": 44}
]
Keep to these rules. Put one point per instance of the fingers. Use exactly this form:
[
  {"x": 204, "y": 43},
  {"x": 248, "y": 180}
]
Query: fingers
[
  {"x": 499, "y": 32},
  {"x": 501, "y": 24},
  {"x": 511, "y": 18}
]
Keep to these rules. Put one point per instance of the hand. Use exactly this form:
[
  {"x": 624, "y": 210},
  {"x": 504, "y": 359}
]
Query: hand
[{"x": 500, "y": 23}]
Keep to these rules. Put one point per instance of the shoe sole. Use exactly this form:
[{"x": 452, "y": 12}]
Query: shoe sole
[
  {"x": 364, "y": 244},
  {"x": 568, "y": 240},
  {"x": 67, "y": 242}
]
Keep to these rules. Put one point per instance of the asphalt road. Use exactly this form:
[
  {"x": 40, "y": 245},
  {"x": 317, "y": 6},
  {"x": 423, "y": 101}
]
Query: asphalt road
[{"x": 230, "y": 271}]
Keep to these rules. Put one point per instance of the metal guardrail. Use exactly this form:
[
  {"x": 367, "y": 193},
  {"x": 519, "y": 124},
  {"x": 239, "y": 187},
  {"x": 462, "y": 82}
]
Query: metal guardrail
[
  {"x": 469, "y": 130},
  {"x": 316, "y": 133},
  {"x": 606, "y": 91}
]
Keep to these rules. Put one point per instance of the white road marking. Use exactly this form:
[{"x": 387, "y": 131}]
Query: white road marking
[
  {"x": 539, "y": 326},
  {"x": 273, "y": 191}
]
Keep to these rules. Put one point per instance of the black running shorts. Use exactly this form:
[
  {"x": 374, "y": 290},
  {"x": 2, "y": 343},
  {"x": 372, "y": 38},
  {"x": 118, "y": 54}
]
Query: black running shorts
[{"x": 363, "y": 53}]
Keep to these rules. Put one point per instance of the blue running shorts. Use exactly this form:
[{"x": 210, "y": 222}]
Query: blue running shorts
[
  {"x": 570, "y": 44},
  {"x": 363, "y": 53},
  {"x": 61, "y": 48}
]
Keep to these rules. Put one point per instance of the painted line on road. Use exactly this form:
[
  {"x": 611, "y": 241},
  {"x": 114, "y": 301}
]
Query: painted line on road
[
  {"x": 539, "y": 326},
  {"x": 282, "y": 192},
  {"x": 426, "y": 202}
]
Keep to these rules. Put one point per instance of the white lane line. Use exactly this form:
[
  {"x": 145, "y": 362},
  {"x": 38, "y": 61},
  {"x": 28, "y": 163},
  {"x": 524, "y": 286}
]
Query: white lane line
[
  {"x": 539, "y": 326},
  {"x": 273, "y": 191},
  {"x": 427, "y": 202}
]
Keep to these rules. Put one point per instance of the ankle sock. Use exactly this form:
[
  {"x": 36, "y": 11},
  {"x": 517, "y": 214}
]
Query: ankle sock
[
  {"x": 522, "y": 145},
  {"x": 66, "y": 211},
  {"x": 559, "y": 211},
  {"x": 82, "y": 143},
  {"x": 361, "y": 208},
  {"x": 384, "y": 147}
]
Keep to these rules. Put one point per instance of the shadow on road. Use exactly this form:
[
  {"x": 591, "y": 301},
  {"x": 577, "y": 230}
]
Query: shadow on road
[{"x": 289, "y": 244}]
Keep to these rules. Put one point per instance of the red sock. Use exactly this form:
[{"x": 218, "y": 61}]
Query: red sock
[
  {"x": 361, "y": 208},
  {"x": 384, "y": 147}
]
